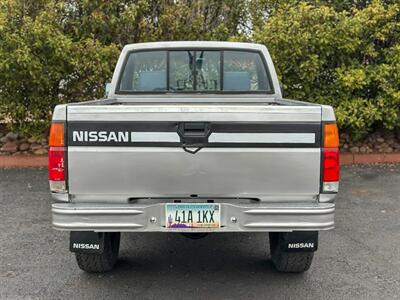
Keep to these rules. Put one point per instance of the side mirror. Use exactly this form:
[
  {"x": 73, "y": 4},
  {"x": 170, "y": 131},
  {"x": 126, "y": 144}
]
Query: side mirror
[
  {"x": 281, "y": 86},
  {"x": 107, "y": 89}
]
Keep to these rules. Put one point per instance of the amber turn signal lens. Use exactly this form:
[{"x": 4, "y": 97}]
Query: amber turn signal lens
[
  {"x": 331, "y": 136},
  {"x": 56, "y": 135}
]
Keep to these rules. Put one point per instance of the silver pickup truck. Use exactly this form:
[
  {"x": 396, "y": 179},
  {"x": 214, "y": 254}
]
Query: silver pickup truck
[{"x": 194, "y": 138}]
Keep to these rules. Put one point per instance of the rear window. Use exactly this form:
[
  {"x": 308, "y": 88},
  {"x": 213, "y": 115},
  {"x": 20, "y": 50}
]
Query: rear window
[{"x": 194, "y": 71}]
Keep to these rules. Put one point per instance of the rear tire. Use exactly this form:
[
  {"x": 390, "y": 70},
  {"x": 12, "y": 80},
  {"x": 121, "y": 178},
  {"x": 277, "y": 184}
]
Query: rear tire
[
  {"x": 288, "y": 262},
  {"x": 104, "y": 262}
]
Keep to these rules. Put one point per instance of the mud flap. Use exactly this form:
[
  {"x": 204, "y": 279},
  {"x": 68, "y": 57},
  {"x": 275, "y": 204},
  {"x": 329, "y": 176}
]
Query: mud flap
[
  {"x": 86, "y": 242},
  {"x": 299, "y": 241}
]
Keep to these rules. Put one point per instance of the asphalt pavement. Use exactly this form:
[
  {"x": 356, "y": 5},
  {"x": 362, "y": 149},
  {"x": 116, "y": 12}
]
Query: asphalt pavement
[{"x": 360, "y": 259}]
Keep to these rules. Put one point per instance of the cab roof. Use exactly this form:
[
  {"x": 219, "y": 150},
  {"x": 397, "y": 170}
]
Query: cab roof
[{"x": 194, "y": 44}]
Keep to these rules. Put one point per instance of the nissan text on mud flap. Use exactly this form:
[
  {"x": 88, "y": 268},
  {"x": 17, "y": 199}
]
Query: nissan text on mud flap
[{"x": 194, "y": 138}]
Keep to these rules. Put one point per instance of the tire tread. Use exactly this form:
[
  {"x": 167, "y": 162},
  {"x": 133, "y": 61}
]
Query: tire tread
[
  {"x": 289, "y": 262},
  {"x": 99, "y": 263}
]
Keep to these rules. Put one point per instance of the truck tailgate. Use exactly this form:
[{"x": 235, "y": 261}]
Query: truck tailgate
[{"x": 120, "y": 152}]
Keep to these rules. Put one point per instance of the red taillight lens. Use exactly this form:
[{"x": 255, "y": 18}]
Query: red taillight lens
[
  {"x": 56, "y": 163},
  {"x": 331, "y": 164}
]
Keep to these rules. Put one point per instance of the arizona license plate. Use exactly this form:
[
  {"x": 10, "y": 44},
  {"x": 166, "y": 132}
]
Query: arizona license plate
[{"x": 192, "y": 215}]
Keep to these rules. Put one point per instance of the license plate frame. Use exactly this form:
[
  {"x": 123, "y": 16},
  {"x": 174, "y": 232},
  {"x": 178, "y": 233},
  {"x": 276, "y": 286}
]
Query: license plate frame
[{"x": 177, "y": 216}]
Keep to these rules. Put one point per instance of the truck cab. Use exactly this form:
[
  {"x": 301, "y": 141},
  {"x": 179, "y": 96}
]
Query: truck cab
[{"x": 194, "y": 138}]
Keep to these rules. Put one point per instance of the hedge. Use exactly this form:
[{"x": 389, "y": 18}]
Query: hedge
[
  {"x": 343, "y": 53},
  {"x": 348, "y": 59}
]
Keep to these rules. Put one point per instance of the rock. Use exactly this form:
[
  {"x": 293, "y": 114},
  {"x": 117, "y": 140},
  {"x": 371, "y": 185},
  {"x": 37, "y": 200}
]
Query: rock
[
  {"x": 3, "y": 140},
  {"x": 40, "y": 151},
  {"x": 388, "y": 135},
  {"x": 24, "y": 146},
  {"x": 31, "y": 140},
  {"x": 11, "y": 147},
  {"x": 354, "y": 149},
  {"x": 11, "y": 136},
  {"x": 35, "y": 146},
  {"x": 345, "y": 146},
  {"x": 380, "y": 139},
  {"x": 363, "y": 149},
  {"x": 389, "y": 150}
]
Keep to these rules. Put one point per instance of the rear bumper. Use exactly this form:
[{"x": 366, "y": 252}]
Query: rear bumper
[{"x": 151, "y": 218}]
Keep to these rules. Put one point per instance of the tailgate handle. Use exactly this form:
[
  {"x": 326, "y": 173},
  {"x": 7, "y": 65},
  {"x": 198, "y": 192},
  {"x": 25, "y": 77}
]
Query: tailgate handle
[
  {"x": 194, "y": 134},
  {"x": 194, "y": 129}
]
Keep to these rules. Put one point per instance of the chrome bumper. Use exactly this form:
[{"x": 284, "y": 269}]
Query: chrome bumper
[{"x": 235, "y": 217}]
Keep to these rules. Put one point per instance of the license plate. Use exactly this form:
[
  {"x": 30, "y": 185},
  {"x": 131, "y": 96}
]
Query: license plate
[{"x": 192, "y": 215}]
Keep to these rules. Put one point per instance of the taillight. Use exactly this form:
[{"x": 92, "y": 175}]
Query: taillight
[
  {"x": 331, "y": 165},
  {"x": 57, "y": 158},
  {"x": 331, "y": 136},
  {"x": 56, "y": 138},
  {"x": 330, "y": 159},
  {"x": 57, "y": 163}
]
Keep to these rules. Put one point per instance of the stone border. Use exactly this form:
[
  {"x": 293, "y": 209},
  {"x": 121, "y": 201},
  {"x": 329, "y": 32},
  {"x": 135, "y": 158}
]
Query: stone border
[
  {"x": 35, "y": 161},
  {"x": 370, "y": 158}
]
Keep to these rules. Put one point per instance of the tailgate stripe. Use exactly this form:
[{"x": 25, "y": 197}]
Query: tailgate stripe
[
  {"x": 167, "y": 134},
  {"x": 164, "y": 137},
  {"x": 289, "y": 138}
]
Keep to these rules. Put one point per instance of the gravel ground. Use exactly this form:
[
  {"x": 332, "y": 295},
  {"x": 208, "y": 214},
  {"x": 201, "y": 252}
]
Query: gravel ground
[{"x": 360, "y": 259}]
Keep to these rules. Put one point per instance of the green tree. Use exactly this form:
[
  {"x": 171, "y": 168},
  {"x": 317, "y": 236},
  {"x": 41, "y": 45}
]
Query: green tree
[
  {"x": 61, "y": 51},
  {"x": 348, "y": 59}
]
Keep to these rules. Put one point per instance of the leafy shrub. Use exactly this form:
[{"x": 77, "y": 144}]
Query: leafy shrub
[
  {"x": 40, "y": 66},
  {"x": 348, "y": 59},
  {"x": 62, "y": 51}
]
